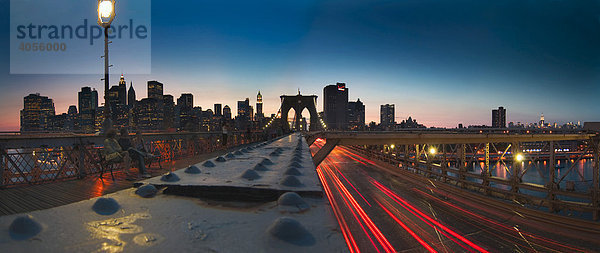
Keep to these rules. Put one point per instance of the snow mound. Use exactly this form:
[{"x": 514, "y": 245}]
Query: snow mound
[
  {"x": 146, "y": 191},
  {"x": 106, "y": 206},
  {"x": 24, "y": 227},
  {"x": 192, "y": 170},
  {"x": 292, "y": 199},
  {"x": 220, "y": 159},
  {"x": 293, "y": 171},
  {"x": 229, "y": 155},
  {"x": 295, "y": 164},
  {"x": 170, "y": 177},
  {"x": 208, "y": 164},
  {"x": 291, "y": 181},
  {"x": 274, "y": 153},
  {"x": 260, "y": 167},
  {"x": 266, "y": 161},
  {"x": 296, "y": 159},
  {"x": 244, "y": 150},
  {"x": 238, "y": 152},
  {"x": 250, "y": 175},
  {"x": 291, "y": 231}
]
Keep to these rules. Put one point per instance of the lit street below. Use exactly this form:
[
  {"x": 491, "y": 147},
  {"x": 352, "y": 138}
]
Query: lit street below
[{"x": 378, "y": 212}]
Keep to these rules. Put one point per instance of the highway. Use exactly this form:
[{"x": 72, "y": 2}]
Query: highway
[{"x": 378, "y": 212}]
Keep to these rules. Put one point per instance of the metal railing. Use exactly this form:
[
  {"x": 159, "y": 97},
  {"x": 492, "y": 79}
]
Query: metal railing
[
  {"x": 35, "y": 159},
  {"x": 553, "y": 172},
  {"x": 554, "y": 176}
]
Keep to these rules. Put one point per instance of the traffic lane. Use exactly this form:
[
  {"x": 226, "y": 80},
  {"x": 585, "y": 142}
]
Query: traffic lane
[
  {"x": 494, "y": 231},
  {"x": 402, "y": 222}
]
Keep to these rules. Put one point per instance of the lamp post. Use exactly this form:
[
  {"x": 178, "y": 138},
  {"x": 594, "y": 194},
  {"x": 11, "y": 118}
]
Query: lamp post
[{"x": 106, "y": 14}]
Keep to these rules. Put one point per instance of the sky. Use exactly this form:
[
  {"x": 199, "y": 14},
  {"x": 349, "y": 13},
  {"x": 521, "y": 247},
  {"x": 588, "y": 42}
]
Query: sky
[{"x": 441, "y": 62}]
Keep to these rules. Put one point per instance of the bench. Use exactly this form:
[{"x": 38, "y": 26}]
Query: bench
[{"x": 107, "y": 165}]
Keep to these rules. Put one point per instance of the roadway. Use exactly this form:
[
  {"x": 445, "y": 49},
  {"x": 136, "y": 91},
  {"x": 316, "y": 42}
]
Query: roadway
[{"x": 379, "y": 212}]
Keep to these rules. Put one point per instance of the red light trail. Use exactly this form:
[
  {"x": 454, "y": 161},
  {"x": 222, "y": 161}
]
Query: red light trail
[{"x": 376, "y": 218}]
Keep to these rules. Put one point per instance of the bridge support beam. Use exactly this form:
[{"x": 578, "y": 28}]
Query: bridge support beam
[
  {"x": 463, "y": 165},
  {"x": 324, "y": 151},
  {"x": 486, "y": 170},
  {"x": 516, "y": 168},
  {"x": 552, "y": 180},
  {"x": 444, "y": 164}
]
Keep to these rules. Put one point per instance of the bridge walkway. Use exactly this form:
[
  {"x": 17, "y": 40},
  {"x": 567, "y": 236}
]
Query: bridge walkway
[{"x": 43, "y": 196}]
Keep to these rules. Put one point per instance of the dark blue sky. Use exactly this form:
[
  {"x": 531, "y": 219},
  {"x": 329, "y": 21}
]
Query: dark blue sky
[{"x": 442, "y": 62}]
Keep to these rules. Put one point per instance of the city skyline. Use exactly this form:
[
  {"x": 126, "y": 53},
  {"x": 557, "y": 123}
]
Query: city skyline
[
  {"x": 441, "y": 73},
  {"x": 161, "y": 111}
]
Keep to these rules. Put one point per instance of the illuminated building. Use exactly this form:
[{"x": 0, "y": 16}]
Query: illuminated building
[
  {"x": 356, "y": 115},
  {"x": 186, "y": 101},
  {"x": 387, "y": 116},
  {"x": 244, "y": 114},
  {"x": 499, "y": 117},
  {"x": 155, "y": 90},
  {"x": 206, "y": 121},
  {"x": 259, "y": 107},
  {"x": 88, "y": 106},
  {"x": 217, "y": 110},
  {"x": 185, "y": 119},
  {"x": 335, "y": 106},
  {"x": 37, "y": 113},
  {"x": 72, "y": 121},
  {"x": 122, "y": 91},
  {"x": 169, "y": 112},
  {"x": 150, "y": 116},
  {"x": 227, "y": 112}
]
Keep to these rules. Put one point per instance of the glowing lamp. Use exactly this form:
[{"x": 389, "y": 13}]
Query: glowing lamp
[
  {"x": 106, "y": 12},
  {"x": 520, "y": 157},
  {"x": 432, "y": 151}
]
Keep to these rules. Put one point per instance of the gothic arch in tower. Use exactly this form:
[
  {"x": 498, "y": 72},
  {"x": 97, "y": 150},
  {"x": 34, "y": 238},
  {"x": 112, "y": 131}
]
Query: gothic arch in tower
[{"x": 299, "y": 103}]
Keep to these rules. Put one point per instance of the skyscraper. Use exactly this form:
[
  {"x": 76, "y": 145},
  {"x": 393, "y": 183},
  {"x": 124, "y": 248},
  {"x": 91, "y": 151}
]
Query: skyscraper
[
  {"x": 150, "y": 115},
  {"x": 387, "y": 116},
  {"x": 155, "y": 90},
  {"x": 335, "y": 103},
  {"x": 227, "y": 112},
  {"x": 244, "y": 114},
  {"x": 37, "y": 113},
  {"x": 122, "y": 91},
  {"x": 88, "y": 105},
  {"x": 499, "y": 117},
  {"x": 72, "y": 122},
  {"x": 131, "y": 99},
  {"x": 259, "y": 106},
  {"x": 169, "y": 111},
  {"x": 218, "y": 111},
  {"x": 186, "y": 101},
  {"x": 185, "y": 118},
  {"x": 356, "y": 115}
]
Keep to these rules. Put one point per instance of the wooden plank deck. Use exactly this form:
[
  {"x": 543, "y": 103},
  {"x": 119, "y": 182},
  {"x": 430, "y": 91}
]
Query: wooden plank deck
[{"x": 37, "y": 197}]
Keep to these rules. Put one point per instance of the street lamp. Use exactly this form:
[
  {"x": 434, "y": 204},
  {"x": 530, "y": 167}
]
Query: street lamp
[
  {"x": 432, "y": 151},
  {"x": 520, "y": 157},
  {"x": 106, "y": 14}
]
